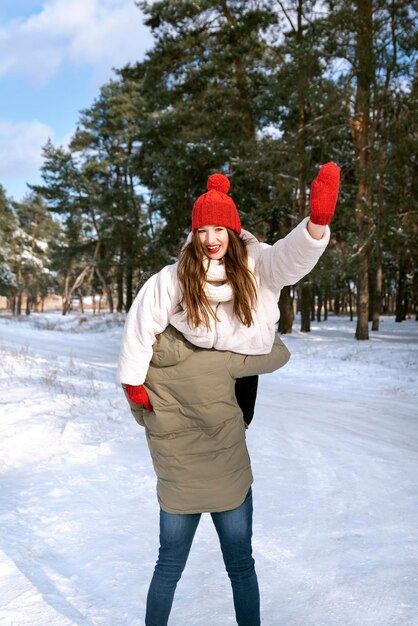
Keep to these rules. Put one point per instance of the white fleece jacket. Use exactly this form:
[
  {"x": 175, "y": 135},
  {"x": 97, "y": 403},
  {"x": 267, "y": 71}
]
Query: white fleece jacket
[{"x": 284, "y": 263}]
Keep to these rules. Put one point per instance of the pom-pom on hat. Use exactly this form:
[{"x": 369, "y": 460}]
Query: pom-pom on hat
[{"x": 215, "y": 206}]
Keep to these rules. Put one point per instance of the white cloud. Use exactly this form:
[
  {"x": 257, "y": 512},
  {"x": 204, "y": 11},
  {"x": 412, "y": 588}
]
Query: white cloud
[
  {"x": 21, "y": 148},
  {"x": 100, "y": 34}
]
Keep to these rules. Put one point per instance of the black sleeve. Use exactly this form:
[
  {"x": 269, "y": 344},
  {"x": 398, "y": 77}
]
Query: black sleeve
[{"x": 246, "y": 394}]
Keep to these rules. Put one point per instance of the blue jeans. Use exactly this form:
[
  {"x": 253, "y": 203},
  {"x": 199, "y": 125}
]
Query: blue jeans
[{"x": 234, "y": 530}]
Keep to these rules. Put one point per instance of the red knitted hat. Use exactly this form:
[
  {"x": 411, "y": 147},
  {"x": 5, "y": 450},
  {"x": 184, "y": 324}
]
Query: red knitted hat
[{"x": 215, "y": 206}]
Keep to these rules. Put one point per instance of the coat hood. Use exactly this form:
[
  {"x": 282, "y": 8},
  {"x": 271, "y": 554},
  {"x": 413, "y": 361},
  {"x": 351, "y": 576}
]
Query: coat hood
[{"x": 170, "y": 348}]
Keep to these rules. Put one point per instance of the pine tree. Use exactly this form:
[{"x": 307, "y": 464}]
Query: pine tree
[
  {"x": 306, "y": 110},
  {"x": 8, "y": 227},
  {"x": 37, "y": 233},
  {"x": 202, "y": 86},
  {"x": 104, "y": 145},
  {"x": 375, "y": 40}
]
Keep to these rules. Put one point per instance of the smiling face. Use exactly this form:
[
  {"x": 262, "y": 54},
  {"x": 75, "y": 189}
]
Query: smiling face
[{"x": 214, "y": 240}]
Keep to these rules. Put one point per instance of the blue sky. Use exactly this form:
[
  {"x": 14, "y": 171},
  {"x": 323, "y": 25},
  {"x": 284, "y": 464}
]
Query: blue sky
[{"x": 54, "y": 56}]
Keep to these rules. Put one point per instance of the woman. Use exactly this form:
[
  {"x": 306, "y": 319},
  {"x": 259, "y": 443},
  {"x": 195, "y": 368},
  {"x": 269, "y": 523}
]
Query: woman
[
  {"x": 196, "y": 436},
  {"x": 223, "y": 291}
]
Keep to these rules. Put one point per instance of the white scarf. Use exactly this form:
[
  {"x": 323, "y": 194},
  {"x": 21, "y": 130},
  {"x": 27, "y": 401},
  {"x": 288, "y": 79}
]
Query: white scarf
[{"x": 215, "y": 272}]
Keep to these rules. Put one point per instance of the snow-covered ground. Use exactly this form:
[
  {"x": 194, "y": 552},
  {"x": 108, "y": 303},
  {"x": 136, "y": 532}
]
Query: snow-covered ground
[{"x": 334, "y": 446}]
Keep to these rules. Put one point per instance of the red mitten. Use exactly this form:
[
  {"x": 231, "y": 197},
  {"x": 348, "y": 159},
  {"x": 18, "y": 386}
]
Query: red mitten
[
  {"x": 138, "y": 395},
  {"x": 324, "y": 194}
]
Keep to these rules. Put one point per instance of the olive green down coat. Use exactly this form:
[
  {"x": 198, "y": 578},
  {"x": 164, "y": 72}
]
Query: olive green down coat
[{"x": 196, "y": 432}]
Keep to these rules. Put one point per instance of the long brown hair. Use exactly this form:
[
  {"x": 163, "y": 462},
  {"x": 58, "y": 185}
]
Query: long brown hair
[{"x": 191, "y": 274}]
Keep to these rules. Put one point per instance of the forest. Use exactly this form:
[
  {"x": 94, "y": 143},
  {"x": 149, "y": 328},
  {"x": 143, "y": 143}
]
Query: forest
[{"x": 265, "y": 92}]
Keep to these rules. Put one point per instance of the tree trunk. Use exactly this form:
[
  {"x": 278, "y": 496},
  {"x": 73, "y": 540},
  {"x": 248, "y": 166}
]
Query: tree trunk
[
  {"x": 298, "y": 298},
  {"x": 119, "y": 285},
  {"x": 66, "y": 296},
  {"x": 326, "y": 303},
  {"x": 415, "y": 294},
  {"x": 360, "y": 133},
  {"x": 377, "y": 304},
  {"x": 66, "y": 305},
  {"x": 305, "y": 309},
  {"x": 128, "y": 269},
  {"x": 401, "y": 293},
  {"x": 13, "y": 304},
  {"x": 350, "y": 301},
  {"x": 129, "y": 287},
  {"x": 362, "y": 329},
  {"x": 372, "y": 279},
  {"x": 106, "y": 291},
  {"x": 319, "y": 304},
  {"x": 377, "y": 301},
  {"x": 286, "y": 311},
  {"x": 80, "y": 295},
  {"x": 337, "y": 301}
]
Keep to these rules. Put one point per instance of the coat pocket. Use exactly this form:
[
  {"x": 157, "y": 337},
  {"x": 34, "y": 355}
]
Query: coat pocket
[{"x": 138, "y": 412}]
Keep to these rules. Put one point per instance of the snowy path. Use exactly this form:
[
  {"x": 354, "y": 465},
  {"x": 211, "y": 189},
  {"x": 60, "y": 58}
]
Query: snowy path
[{"x": 334, "y": 447}]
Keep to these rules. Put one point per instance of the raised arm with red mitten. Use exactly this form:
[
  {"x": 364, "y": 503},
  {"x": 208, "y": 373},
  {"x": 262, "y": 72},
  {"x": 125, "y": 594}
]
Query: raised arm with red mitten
[{"x": 324, "y": 194}]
